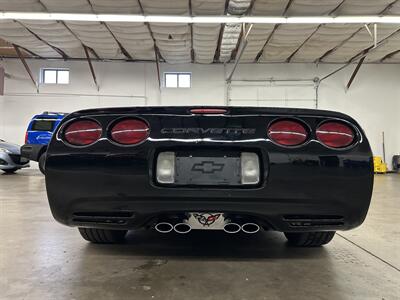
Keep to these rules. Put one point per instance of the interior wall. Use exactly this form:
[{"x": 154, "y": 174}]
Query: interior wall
[{"x": 373, "y": 99}]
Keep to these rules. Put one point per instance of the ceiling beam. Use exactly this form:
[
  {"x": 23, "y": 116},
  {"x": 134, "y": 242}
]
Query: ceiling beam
[
  {"x": 248, "y": 12},
  {"x": 218, "y": 48},
  {"x": 156, "y": 50},
  {"x": 78, "y": 58},
  {"x": 192, "y": 54},
  {"x": 302, "y": 44},
  {"x": 314, "y": 32},
  {"x": 91, "y": 50},
  {"x": 391, "y": 54},
  {"x": 241, "y": 51},
  {"x": 87, "y": 49},
  {"x": 43, "y": 6},
  {"x": 220, "y": 36},
  {"x": 91, "y": 67},
  {"x": 91, "y": 6},
  {"x": 362, "y": 54},
  {"x": 157, "y": 54},
  {"x": 333, "y": 11},
  {"x": 121, "y": 48},
  {"x": 288, "y": 5},
  {"x": 389, "y": 7},
  {"x": 259, "y": 54},
  {"x": 56, "y": 49},
  {"x": 83, "y": 44},
  {"x": 353, "y": 76},
  {"x": 72, "y": 33},
  {"x": 94, "y": 59},
  {"x": 30, "y": 52},
  {"x": 329, "y": 52},
  {"x": 372, "y": 47},
  {"x": 158, "y": 68},
  {"x": 236, "y": 49},
  {"x": 28, "y": 70},
  {"x": 251, "y": 6}
]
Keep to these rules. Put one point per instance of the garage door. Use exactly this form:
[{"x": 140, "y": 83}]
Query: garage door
[{"x": 273, "y": 93}]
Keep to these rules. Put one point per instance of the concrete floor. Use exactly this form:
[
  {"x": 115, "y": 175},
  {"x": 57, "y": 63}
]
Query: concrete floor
[{"x": 41, "y": 259}]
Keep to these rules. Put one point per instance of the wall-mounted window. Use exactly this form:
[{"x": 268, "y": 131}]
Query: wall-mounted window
[
  {"x": 54, "y": 76},
  {"x": 178, "y": 80}
]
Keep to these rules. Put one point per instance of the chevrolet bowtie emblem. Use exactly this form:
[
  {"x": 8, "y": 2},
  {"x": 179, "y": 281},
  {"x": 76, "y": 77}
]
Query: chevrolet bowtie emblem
[{"x": 207, "y": 167}]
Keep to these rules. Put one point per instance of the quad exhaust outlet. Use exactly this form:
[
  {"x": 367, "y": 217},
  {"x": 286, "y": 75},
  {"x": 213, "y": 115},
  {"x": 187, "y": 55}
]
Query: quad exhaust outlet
[
  {"x": 232, "y": 228},
  {"x": 183, "y": 226},
  {"x": 250, "y": 228},
  {"x": 164, "y": 227}
]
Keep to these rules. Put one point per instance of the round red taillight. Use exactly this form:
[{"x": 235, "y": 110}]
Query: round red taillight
[
  {"x": 129, "y": 131},
  {"x": 82, "y": 132},
  {"x": 287, "y": 133},
  {"x": 335, "y": 134}
]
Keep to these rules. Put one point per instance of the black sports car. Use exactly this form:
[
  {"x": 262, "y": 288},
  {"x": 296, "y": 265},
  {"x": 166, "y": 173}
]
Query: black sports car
[{"x": 306, "y": 173}]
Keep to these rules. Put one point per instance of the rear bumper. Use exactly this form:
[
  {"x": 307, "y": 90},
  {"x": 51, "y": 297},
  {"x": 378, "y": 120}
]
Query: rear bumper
[
  {"x": 118, "y": 191},
  {"x": 295, "y": 215},
  {"x": 7, "y": 162},
  {"x": 33, "y": 151}
]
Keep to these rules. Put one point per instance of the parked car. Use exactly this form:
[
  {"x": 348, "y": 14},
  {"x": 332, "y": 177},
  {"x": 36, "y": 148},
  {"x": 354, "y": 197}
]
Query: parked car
[
  {"x": 306, "y": 173},
  {"x": 38, "y": 135},
  {"x": 10, "y": 157}
]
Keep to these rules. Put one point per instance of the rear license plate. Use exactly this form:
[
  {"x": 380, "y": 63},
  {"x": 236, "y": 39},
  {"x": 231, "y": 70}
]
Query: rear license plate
[
  {"x": 206, "y": 221},
  {"x": 207, "y": 170}
]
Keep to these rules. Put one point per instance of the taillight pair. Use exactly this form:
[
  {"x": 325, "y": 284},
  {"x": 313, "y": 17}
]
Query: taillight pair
[
  {"x": 132, "y": 131},
  {"x": 125, "y": 132},
  {"x": 332, "y": 134}
]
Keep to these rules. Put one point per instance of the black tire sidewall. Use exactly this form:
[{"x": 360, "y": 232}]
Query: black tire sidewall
[
  {"x": 103, "y": 236},
  {"x": 42, "y": 163},
  {"x": 309, "y": 239}
]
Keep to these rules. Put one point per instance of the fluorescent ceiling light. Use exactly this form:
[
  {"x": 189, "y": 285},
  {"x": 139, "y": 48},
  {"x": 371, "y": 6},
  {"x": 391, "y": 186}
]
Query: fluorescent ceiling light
[{"x": 199, "y": 19}]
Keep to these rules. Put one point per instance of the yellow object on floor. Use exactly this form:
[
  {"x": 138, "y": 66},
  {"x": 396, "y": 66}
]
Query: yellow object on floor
[{"x": 379, "y": 165}]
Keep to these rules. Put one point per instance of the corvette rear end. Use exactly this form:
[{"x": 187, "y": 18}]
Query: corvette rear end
[{"x": 306, "y": 173}]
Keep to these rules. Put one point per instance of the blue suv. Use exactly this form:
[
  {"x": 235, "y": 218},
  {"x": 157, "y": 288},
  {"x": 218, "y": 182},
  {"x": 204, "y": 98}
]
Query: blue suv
[{"x": 38, "y": 136}]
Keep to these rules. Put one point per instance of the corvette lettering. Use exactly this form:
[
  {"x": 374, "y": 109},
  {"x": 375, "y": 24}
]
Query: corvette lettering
[{"x": 235, "y": 131}]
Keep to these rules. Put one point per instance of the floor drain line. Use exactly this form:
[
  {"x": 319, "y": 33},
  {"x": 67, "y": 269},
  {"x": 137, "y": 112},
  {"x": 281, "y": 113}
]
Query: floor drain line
[{"x": 370, "y": 253}]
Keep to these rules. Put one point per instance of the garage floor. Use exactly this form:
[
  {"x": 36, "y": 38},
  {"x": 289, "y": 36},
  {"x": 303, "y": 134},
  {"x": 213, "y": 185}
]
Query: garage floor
[{"x": 41, "y": 259}]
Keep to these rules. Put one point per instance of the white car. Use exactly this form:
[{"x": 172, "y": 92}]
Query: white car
[{"x": 10, "y": 157}]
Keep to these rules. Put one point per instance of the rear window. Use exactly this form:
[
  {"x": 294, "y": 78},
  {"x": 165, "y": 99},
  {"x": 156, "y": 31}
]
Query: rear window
[{"x": 42, "y": 125}]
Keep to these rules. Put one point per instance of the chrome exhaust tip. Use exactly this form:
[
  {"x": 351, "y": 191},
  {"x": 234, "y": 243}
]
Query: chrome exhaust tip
[
  {"x": 250, "y": 228},
  {"x": 182, "y": 228},
  {"x": 164, "y": 227},
  {"x": 232, "y": 228}
]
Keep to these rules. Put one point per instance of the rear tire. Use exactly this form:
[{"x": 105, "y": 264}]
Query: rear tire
[
  {"x": 102, "y": 236},
  {"x": 42, "y": 163},
  {"x": 309, "y": 239}
]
